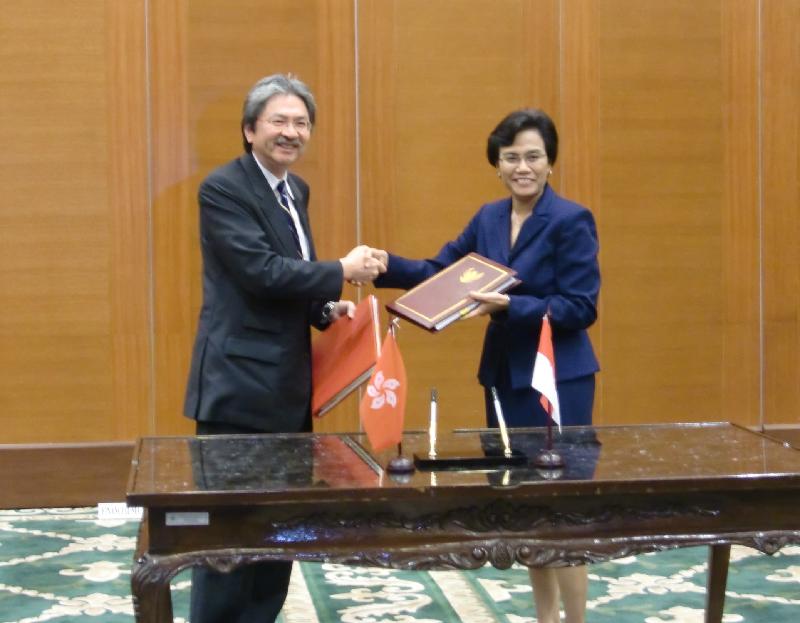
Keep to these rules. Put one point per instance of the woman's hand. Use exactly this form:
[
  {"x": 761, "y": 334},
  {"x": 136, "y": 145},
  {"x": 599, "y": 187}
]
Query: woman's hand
[
  {"x": 490, "y": 302},
  {"x": 382, "y": 256}
]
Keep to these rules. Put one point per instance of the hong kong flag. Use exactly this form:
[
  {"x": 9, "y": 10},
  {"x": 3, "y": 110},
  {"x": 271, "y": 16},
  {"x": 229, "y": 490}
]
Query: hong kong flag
[
  {"x": 383, "y": 405},
  {"x": 544, "y": 373}
]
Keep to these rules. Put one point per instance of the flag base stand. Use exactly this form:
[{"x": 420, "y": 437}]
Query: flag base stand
[
  {"x": 548, "y": 459},
  {"x": 550, "y": 473},
  {"x": 400, "y": 465}
]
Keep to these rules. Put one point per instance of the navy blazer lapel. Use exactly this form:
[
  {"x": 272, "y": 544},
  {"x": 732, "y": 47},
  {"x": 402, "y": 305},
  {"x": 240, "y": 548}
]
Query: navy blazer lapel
[
  {"x": 270, "y": 209},
  {"x": 542, "y": 212}
]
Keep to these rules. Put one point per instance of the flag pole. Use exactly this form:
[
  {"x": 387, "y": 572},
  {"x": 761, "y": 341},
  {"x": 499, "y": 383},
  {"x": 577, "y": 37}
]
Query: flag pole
[
  {"x": 545, "y": 383},
  {"x": 399, "y": 465},
  {"x": 549, "y": 458}
]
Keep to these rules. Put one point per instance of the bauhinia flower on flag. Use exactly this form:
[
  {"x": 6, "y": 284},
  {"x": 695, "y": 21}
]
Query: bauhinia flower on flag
[
  {"x": 383, "y": 405},
  {"x": 544, "y": 373}
]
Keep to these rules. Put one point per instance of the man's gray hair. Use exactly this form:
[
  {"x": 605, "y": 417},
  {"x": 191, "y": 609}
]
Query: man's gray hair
[{"x": 266, "y": 88}]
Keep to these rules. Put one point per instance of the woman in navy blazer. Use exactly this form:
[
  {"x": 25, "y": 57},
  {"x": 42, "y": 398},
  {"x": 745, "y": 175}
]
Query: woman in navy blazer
[{"x": 552, "y": 244}]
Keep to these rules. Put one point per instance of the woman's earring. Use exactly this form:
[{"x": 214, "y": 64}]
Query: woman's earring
[
  {"x": 498, "y": 174},
  {"x": 549, "y": 172}
]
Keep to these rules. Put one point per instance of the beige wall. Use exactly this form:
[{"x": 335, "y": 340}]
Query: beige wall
[{"x": 679, "y": 129}]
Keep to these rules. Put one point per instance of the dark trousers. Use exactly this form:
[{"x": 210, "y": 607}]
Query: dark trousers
[{"x": 251, "y": 594}]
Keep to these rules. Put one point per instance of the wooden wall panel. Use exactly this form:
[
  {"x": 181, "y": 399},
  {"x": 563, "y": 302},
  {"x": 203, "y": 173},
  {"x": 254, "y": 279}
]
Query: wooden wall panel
[
  {"x": 781, "y": 208},
  {"x": 679, "y": 129},
  {"x": 741, "y": 360},
  {"x": 334, "y": 213},
  {"x": 176, "y": 261},
  {"x": 662, "y": 185},
  {"x": 678, "y": 211},
  {"x": 205, "y": 57},
  {"x": 73, "y": 344},
  {"x": 435, "y": 78},
  {"x": 577, "y": 175},
  {"x": 130, "y": 269}
]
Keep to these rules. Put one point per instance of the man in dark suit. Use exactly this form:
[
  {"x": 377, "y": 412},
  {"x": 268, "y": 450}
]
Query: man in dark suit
[{"x": 263, "y": 288}]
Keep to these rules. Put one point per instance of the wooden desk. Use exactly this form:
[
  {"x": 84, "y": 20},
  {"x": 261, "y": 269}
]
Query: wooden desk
[{"x": 228, "y": 500}]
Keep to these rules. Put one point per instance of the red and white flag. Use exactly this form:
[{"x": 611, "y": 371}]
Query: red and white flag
[
  {"x": 383, "y": 405},
  {"x": 544, "y": 373}
]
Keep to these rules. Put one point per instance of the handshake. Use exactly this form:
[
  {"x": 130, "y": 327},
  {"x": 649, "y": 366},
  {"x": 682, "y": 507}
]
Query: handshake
[{"x": 363, "y": 264}]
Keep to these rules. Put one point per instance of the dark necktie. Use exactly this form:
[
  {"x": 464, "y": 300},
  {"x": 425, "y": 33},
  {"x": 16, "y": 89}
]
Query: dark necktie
[{"x": 284, "y": 201}]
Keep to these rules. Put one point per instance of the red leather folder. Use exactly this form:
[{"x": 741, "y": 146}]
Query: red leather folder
[
  {"x": 344, "y": 355},
  {"x": 444, "y": 298}
]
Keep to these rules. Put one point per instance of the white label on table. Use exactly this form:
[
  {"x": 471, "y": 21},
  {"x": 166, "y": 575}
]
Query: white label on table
[
  {"x": 118, "y": 510},
  {"x": 187, "y": 519}
]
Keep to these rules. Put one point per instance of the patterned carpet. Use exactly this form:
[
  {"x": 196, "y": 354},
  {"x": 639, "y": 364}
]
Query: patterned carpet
[{"x": 65, "y": 565}]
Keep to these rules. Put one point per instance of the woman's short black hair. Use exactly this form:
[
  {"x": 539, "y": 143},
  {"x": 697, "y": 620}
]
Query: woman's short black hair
[{"x": 519, "y": 121}]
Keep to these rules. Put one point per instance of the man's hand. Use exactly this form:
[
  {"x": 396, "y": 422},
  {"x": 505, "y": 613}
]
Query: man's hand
[
  {"x": 490, "y": 302},
  {"x": 343, "y": 308},
  {"x": 360, "y": 266}
]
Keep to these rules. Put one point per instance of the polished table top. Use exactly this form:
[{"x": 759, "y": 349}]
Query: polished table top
[
  {"x": 226, "y": 501},
  {"x": 199, "y": 471}
]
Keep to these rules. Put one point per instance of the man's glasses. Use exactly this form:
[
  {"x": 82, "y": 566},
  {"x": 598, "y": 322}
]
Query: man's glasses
[{"x": 300, "y": 125}]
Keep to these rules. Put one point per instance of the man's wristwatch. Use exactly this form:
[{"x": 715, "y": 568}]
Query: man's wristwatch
[{"x": 327, "y": 311}]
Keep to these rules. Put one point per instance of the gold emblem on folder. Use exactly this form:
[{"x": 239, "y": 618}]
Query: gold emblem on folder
[{"x": 470, "y": 275}]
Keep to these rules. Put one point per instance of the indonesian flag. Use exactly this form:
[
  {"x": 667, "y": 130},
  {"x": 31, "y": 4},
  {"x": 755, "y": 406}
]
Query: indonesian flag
[
  {"x": 383, "y": 405},
  {"x": 544, "y": 373}
]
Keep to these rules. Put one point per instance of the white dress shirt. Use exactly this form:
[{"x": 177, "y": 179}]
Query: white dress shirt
[{"x": 273, "y": 184}]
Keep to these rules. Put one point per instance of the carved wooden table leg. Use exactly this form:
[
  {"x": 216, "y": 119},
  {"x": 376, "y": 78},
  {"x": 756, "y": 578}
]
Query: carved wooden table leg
[
  {"x": 718, "y": 558},
  {"x": 152, "y": 602}
]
